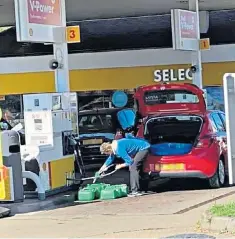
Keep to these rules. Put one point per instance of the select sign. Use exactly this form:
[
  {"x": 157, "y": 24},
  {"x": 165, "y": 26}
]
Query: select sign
[{"x": 168, "y": 75}]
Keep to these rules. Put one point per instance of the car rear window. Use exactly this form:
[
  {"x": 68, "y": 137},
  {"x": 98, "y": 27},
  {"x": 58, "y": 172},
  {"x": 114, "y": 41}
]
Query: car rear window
[
  {"x": 97, "y": 123},
  {"x": 169, "y": 96}
]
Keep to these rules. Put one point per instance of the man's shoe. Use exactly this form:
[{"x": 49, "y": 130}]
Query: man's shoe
[
  {"x": 147, "y": 192},
  {"x": 135, "y": 194}
]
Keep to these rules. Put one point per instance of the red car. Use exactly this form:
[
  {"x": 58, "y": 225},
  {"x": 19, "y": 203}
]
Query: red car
[{"x": 187, "y": 141}]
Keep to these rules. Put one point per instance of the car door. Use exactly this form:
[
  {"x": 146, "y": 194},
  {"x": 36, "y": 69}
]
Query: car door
[{"x": 221, "y": 134}]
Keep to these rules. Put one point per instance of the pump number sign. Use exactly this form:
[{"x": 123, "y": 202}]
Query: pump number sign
[
  {"x": 73, "y": 34},
  {"x": 205, "y": 44}
]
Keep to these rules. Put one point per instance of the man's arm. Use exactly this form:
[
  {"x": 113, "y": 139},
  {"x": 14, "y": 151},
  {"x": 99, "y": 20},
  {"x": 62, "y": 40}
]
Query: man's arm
[
  {"x": 108, "y": 162},
  {"x": 124, "y": 155}
]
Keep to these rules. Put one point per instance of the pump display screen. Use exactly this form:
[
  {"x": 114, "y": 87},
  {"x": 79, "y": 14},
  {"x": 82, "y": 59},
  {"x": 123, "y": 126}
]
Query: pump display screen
[
  {"x": 38, "y": 124},
  {"x": 38, "y": 121}
]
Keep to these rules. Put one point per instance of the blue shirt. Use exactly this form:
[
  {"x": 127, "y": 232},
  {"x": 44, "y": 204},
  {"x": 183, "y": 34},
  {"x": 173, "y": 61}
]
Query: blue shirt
[{"x": 126, "y": 149}]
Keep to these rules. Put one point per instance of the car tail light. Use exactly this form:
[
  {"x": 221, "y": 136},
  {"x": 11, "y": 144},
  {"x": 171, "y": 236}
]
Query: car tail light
[{"x": 204, "y": 142}]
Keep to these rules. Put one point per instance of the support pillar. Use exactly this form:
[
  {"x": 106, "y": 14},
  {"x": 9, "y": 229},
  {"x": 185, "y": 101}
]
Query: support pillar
[
  {"x": 62, "y": 74},
  {"x": 61, "y": 55},
  {"x": 196, "y": 55},
  {"x": 229, "y": 98}
]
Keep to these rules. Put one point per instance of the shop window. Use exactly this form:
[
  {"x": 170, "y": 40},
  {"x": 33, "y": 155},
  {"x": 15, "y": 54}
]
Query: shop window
[
  {"x": 218, "y": 122},
  {"x": 90, "y": 100}
]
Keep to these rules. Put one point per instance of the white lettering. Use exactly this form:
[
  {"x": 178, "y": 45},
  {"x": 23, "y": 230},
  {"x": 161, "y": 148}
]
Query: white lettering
[
  {"x": 181, "y": 74},
  {"x": 32, "y": 5},
  {"x": 172, "y": 75},
  {"x": 167, "y": 75},
  {"x": 157, "y": 76},
  {"x": 188, "y": 74},
  {"x": 43, "y": 8},
  {"x": 185, "y": 25}
]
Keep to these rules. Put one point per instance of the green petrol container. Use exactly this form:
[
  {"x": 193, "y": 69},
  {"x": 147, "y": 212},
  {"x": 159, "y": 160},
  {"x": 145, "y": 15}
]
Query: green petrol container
[
  {"x": 109, "y": 193},
  {"x": 102, "y": 191},
  {"x": 123, "y": 188},
  {"x": 98, "y": 187},
  {"x": 114, "y": 191},
  {"x": 118, "y": 190},
  {"x": 86, "y": 194}
]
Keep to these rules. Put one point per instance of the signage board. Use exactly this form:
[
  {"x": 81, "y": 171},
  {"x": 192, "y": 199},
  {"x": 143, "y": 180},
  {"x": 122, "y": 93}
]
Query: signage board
[
  {"x": 44, "y": 12},
  {"x": 73, "y": 34},
  {"x": 205, "y": 44},
  {"x": 35, "y": 19},
  {"x": 40, "y": 131},
  {"x": 119, "y": 99},
  {"x": 184, "y": 30},
  {"x": 171, "y": 75}
]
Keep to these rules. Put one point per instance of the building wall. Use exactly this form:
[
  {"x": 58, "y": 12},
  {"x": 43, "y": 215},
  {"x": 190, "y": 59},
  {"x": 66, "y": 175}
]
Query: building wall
[{"x": 110, "y": 70}]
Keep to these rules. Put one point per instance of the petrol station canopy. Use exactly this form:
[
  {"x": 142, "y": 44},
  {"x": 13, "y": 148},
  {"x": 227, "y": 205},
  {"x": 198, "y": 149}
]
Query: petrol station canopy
[{"x": 78, "y": 10}]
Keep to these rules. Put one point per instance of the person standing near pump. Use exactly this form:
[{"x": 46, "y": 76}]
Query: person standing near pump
[
  {"x": 4, "y": 120},
  {"x": 134, "y": 152}
]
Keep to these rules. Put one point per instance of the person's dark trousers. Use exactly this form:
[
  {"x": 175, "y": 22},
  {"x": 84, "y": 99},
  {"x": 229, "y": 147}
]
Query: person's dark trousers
[{"x": 136, "y": 171}]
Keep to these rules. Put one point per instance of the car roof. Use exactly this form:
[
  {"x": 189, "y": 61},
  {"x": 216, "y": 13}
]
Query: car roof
[{"x": 100, "y": 111}]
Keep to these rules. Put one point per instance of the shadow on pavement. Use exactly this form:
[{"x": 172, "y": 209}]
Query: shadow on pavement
[
  {"x": 159, "y": 186},
  {"x": 120, "y": 177}
]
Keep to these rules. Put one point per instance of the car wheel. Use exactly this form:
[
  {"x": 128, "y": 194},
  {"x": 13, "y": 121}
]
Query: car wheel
[{"x": 218, "y": 180}]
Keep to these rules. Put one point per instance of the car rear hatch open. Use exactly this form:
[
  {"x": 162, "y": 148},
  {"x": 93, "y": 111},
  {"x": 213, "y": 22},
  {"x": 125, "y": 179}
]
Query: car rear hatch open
[
  {"x": 170, "y": 98},
  {"x": 172, "y": 134}
]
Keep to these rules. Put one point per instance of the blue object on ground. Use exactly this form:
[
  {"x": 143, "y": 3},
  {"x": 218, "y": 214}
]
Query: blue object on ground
[{"x": 168, "y": 149}]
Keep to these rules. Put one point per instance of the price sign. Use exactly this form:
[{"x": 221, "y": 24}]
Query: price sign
[
  {"x": 73, "y": 34},
  {"x": 205, "y": 44}
]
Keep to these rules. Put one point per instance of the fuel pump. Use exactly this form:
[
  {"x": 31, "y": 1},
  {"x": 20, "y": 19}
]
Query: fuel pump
[
  {"x": 11, "y": 180},
  {"x": 48, "y": 126}
]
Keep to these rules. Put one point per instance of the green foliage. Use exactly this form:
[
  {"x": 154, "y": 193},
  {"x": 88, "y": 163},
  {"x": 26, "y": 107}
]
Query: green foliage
[{"x": 224, "y": 210}]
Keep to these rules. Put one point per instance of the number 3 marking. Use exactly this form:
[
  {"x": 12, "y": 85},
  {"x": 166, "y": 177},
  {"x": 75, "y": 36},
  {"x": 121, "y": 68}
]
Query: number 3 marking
[{"x": 72, "y": 34}]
